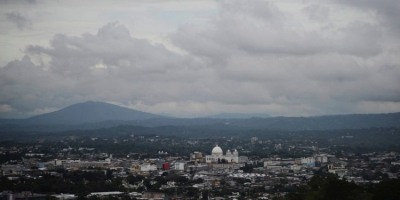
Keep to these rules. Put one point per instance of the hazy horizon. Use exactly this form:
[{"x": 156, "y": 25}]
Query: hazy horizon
[{"x": 236, "y": 115}]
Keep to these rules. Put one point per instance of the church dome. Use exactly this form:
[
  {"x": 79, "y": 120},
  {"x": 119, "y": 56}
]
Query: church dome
[{"x": 216, "y": 150}]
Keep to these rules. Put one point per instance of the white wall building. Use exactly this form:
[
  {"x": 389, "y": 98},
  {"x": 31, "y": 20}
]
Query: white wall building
[
  {"x": 179, "y": 166},
  {"x": 323, "y": 158},
  {"x": 146, "y": 167},
  {"x": 307, "y": 160},
  {"x": 57, "y": 162},
  {"x": 217, "y": 154},
  {"x": 296, "y": 167},
  {"x": 271, "y": 163}
]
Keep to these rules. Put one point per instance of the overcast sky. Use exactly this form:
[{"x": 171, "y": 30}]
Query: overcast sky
[{"x": 196, "y": 58}]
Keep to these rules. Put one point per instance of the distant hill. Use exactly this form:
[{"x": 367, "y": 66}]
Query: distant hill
[
  {"x": 96, "y": 115},
  {"x": 89, "y": 112},
  {"x": 331, "y": 122},
  {"x": 238, "y": 116}
]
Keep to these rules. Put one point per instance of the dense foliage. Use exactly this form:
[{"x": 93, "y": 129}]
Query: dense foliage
[{"x": 329, "y": 187}]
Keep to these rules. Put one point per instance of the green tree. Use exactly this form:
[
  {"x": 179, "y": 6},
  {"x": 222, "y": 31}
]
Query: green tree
[{"x": 387, "y": 190}]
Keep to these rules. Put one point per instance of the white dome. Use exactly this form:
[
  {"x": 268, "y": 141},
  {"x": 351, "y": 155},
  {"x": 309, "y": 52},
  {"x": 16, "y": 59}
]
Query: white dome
[
  {"x": 216, "y": 150},
  {"x": 235, "y": 152}
]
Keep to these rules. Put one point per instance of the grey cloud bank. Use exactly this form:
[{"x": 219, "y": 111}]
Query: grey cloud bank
[
  {"x": 291, "y": 58},
  {"x": 20, "y": 21}
]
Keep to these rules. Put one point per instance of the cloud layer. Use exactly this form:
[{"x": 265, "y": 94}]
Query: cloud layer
[
  {"x": 269, "y": 57},
  {"x": 20, "y": 21}
]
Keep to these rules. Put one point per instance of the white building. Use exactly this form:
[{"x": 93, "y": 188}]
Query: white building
[
  {"x": 102, "y": 194},
  {"x": 322, "y": 158},
  {"x": 296, "y": 167},
  {"x": 339, "y": 170},
  {"x": 57, "y": 162},
  {"x": 146, "y": 167},
  {"x": 272, "y": 163},
  {"x": 179, "y": 166},
  {"x": 218, "y": 155},
  {"x": 307, "y": 160}
]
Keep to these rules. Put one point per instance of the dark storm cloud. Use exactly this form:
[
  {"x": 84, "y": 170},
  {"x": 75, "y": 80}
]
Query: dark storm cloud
[{"x": 19, "y": 20}]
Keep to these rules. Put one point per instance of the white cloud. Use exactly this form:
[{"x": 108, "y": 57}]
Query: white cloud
[{"x": 275, "y": 57}]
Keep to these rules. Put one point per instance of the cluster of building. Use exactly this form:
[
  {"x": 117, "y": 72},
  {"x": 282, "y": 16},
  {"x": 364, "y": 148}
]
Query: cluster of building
[{"x": 229, "y": 170}]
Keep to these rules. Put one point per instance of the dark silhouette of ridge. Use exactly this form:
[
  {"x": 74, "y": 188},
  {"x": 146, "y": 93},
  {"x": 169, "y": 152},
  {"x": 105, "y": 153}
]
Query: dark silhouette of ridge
[
  {"x": 238, "y": 116},
  {"x": 90, "y": 112},
  {"x": 96, "y": 115}
]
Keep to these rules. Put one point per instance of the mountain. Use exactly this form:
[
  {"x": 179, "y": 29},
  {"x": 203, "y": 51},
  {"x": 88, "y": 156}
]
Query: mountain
[
  {"x": 330, "y": 122},
  {"x": 96, "y": 115},
  {"x": 89, "y": 112},
  {"x": 238, "y": 116}
]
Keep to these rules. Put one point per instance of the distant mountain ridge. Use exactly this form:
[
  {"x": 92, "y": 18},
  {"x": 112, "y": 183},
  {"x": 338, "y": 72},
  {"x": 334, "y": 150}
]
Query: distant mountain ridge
[
  {"x": 329, "y": 122},
  {"x": 238, "y": 116},
  {"x": 90, "y": 112},
  {"x": 96, "y": 115}
]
